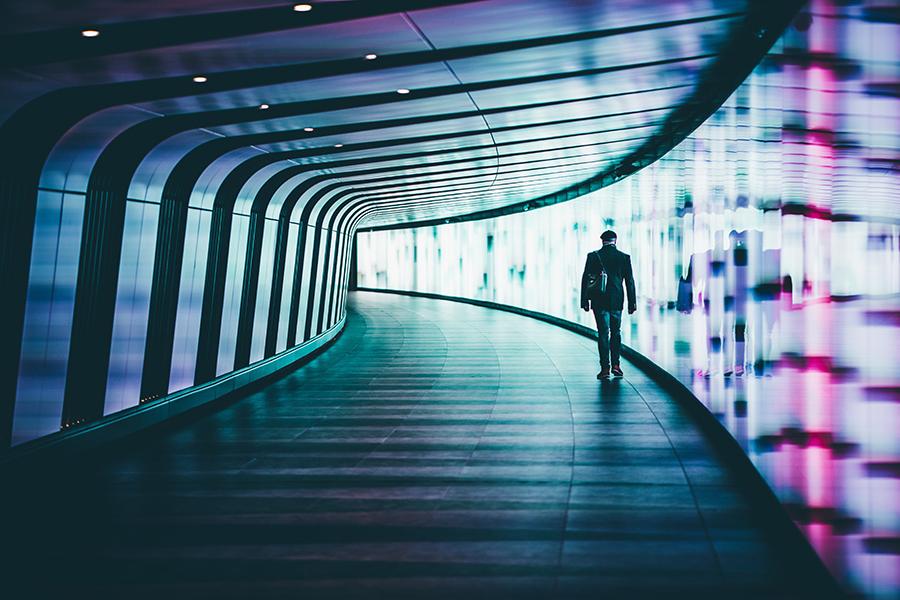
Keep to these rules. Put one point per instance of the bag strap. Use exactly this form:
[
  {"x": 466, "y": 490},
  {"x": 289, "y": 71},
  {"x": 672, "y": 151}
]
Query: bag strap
[{"x": 602, "y": 266}]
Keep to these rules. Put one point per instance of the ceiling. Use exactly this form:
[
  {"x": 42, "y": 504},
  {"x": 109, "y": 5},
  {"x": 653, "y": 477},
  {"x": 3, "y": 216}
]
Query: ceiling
[{"x": 510, "y": 103}]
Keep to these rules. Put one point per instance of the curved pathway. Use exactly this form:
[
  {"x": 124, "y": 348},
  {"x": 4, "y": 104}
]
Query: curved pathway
[{"x": 436, "y": 450}]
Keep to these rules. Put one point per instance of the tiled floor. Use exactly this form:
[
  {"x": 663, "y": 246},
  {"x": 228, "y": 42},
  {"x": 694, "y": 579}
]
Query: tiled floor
[{"x": 436, "y": 450}]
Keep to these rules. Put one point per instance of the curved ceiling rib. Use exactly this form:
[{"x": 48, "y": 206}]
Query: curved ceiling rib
[{"x": 632, "y": 89}]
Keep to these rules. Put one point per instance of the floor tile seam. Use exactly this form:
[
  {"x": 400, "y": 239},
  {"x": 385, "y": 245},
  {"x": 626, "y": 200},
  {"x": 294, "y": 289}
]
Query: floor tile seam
[
  {"x": 690, "y": 487},
  {"x": 583, "y": 342},
  {"x": 336, "y": 360},
  {"x": 370, "y": 319},
  {"x": 416, "y": 405},
  {"x": 494, "y": 393},
  {"x": 403, "y": 326},
  {"x": 565, "y": 523}
]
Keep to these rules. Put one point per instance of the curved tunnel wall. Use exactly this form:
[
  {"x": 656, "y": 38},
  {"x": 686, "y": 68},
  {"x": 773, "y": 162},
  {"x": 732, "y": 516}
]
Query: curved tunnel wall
[
  {"x": 216, "y": 246},
  {"x": 782, "y": 212},
  {"x": 51, "y": 295},
  {"x": 160, "y": 229},
  {"x": 249, "y": 327}
]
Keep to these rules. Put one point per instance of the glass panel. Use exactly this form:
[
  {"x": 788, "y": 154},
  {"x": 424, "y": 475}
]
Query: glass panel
[
  {"x": 190, "y": 300},
  {"x": 237, "y": 252},
  {"x": 287, "y": 289},
  {"x": 48, "y": 315},
  {"x": 264, "y": 291},
  {"x": 126, "y": 359}
]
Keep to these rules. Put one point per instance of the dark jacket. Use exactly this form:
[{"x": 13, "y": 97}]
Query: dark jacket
[{"x": 618, "y": 270}]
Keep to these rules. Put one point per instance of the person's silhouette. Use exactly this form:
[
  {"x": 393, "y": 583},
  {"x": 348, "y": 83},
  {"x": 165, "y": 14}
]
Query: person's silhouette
[{"x": 606, "y": 299}]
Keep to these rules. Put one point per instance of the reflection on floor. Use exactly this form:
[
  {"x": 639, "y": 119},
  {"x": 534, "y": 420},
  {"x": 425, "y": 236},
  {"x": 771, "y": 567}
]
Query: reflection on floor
[
  {"x": 436, "y": 450},
  {"x": 819, "y": 418}
]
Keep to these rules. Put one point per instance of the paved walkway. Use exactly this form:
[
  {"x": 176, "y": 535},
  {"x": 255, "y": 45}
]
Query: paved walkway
[{"x": 436, "y": 450}]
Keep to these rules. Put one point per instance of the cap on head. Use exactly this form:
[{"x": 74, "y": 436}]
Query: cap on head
[{"x": 608, "y": 236}]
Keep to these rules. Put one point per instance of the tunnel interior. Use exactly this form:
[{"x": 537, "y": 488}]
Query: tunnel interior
[{"x": 201, "y": 197}]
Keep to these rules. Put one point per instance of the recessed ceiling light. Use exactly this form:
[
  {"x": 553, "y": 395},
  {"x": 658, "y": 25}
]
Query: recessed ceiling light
[
  {"x": 199, "y": 79},
  {"x": 90, "y": 33},
  {"x": 302, "y": 7},
  {"x": 308, "y": 129},
  {"x": 338, "y": 145},
  {"x": 371, "y": 56},
  {"x": 263, "y": 106},
  {"x": 403, "y": 91}
]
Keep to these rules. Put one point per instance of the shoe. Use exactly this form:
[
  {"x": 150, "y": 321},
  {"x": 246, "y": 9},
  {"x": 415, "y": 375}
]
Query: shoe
[
  {"x": 604, "y": 373},
  {"x": 617, "y": 371}
]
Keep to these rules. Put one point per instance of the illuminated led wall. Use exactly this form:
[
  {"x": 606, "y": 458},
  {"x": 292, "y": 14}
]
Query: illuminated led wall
[{"x": 782, "y": 215}]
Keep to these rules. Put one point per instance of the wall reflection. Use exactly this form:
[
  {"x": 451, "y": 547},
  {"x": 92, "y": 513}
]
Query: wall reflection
[{"x": 767, "y": 255}]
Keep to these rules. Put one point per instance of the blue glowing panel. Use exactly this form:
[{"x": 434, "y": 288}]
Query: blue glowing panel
[
  {"x": 327, "y": 280},
  {"x": 340, "y": 284},
  {"x": 304, "y": 305},
  {"x": 316, "y": 297},
  {"x": 126, "y": 359},
  {"x": 190, "y": 300},
  {"x": 287, "y": 287},
  {"x": 48, "y": 315},
  {"x": 237, "y": 250},
  {"x": 264, "y": 291}
]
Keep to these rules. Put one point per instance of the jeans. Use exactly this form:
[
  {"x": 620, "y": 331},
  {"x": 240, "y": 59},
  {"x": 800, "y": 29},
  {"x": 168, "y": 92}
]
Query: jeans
[{"x": 609, "y": 323}]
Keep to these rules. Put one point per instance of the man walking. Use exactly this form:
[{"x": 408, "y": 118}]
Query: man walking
[{"x": 605, "y": 296}]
